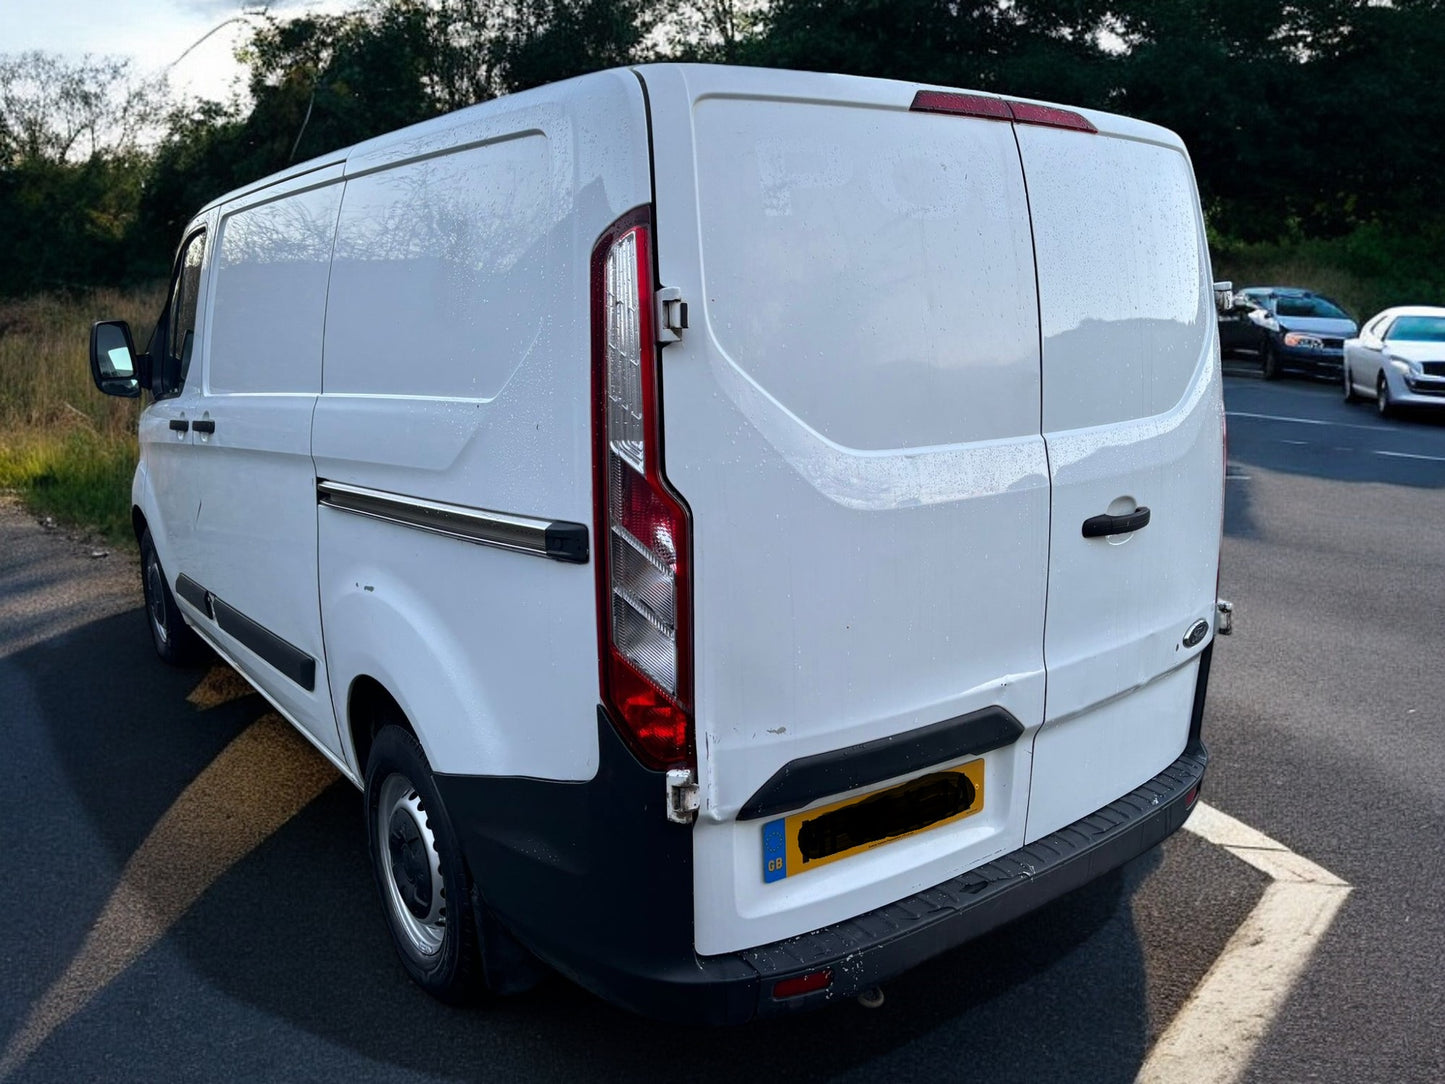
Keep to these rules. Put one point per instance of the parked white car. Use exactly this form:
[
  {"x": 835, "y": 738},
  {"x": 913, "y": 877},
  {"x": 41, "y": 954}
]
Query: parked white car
[
  {"x": 1398, "y": 359},
  {"x": 650, "y": 489}
]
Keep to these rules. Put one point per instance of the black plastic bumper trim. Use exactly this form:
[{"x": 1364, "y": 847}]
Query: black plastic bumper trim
[
  {"x": 807, "y": 779},
  {"x": 593, "y": 878},
  {"x": 893, "y": 939},
  {"x": 288, "y": 659},
  {"x": 195, "y": 594}
]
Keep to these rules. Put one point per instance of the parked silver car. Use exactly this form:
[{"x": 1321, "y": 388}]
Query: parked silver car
[{"x": 1398, "y": 359}]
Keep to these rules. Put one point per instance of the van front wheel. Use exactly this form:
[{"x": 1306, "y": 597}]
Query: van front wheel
[
  {"x": 420, "y": 873},
  {"x": 175, "y": 641}
]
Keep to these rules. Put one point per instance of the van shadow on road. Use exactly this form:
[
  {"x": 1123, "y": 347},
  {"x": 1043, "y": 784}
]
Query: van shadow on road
[{"x": 295, "y": 932}]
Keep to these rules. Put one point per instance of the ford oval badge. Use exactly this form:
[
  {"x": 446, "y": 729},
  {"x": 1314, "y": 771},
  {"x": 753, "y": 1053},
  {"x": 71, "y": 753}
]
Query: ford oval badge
[{"x": 1197, "y": 632}]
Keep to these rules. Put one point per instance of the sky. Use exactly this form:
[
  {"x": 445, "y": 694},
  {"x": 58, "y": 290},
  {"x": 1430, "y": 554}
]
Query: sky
[{"x": 152, "y": 33}]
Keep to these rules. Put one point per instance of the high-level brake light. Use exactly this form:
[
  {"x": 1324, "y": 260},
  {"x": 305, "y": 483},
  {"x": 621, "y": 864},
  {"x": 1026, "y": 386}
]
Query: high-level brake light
[
  {"x": 644, "y": 547},
  {"x": 978, "y": 105}
]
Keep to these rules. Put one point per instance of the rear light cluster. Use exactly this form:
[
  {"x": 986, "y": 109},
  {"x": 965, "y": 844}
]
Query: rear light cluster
[
  {"x": 643, "y": 589},
  {"x": 977, "y": 105}
]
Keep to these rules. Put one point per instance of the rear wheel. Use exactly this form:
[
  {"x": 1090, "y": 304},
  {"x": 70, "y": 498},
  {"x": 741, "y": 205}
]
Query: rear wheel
[
  {"x": 1383, "y": 403},
  {"x": 1350, "y": 396},
  {"x": 420, "y": 873},
  {"x": 1271, "y": 360},
  {"x": 175, "y": 642}
]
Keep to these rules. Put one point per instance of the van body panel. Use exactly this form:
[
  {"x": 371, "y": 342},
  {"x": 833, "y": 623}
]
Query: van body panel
[
  {"x": 866, "y": 476},
  {"x": 922, "y": 350},
  {"x": 1133, "y": 417},
  {"x": 458, "y": 369},
  {"x": 254, "y": 534}
]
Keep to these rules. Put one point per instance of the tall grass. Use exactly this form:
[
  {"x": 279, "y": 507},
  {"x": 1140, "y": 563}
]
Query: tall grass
[{"x": 66, "y": 449}]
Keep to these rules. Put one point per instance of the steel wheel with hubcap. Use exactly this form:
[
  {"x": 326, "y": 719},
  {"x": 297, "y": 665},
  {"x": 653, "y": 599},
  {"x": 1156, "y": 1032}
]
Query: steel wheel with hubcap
[
  {"x": 412, "y": 871},
  {"x": 175, "y": 641},
  {"x": 420, "y": 873}
]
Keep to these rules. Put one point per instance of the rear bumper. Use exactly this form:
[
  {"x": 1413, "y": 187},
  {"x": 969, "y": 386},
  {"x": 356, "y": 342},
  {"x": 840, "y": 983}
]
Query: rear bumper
[
  {"x": 594, "y": 880},
  {"x": 884, "y": 943}
]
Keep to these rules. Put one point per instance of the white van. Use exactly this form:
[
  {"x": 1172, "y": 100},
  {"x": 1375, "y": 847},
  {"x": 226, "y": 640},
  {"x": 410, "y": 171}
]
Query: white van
[{"x": 746, "y": 531}]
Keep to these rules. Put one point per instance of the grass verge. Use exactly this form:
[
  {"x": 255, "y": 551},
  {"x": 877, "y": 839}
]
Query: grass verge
[{"x": 65, "y": 449}]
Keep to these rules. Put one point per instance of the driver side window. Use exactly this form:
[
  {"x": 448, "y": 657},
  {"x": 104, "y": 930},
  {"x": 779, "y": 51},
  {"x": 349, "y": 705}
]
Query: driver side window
[{"x": 181, "y": 320}]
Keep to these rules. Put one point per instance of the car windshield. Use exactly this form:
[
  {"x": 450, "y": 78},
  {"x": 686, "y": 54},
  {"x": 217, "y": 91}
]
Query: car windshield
[
  {"x": 1309, "y": 306},
  {"x": 1418, "y": 329}
]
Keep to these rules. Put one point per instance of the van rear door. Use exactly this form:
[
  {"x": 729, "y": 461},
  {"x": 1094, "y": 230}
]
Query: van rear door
[
  {"x": 1133, "y": 417},
  {"x": 853, "y": 417}
]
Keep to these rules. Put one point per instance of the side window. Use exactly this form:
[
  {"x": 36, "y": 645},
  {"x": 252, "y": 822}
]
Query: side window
[{"x": 181, "y": 333}]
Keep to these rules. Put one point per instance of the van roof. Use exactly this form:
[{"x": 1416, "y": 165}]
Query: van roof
[{"x": 778, "y": 81}]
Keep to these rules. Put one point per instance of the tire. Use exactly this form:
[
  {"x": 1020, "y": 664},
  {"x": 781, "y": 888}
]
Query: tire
[
  {"x": 421, "y": 876},
  {"x": 1383, "y": 403},
  {"x": 1270, "y": 360},
  {"x": 1350, "y": 396},
  {"x": 175, "y": 642}
]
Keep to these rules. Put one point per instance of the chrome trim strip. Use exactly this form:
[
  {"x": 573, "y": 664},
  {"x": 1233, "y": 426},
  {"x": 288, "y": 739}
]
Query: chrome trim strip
[{"x": 557, "y": 539}]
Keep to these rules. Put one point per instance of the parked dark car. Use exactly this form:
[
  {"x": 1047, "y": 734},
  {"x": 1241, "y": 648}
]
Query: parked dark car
[{"x": 1287, "y": 328}]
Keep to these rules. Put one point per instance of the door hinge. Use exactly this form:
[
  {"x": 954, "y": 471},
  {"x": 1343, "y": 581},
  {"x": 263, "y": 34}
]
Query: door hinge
[
  {"x": 682, "y": 799},
  {"x": 1224, "y": 622},
  {"x": 671, "y": 314}
]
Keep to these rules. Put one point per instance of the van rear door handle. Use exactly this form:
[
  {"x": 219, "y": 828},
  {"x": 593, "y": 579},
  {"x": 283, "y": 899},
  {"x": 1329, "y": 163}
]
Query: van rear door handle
[
  {"x": 180, "y": 425},
  {"x": 1102, "y": 526},
  {"x": 206, "y": 425}
]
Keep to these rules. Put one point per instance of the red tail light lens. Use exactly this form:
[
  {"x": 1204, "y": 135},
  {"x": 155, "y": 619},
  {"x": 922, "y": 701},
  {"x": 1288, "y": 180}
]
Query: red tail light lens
[
  {"x": 803, "y": 984},
  {"x": 643, "y": 588}
]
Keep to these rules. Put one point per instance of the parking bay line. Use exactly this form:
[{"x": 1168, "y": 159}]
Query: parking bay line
[
  {"x": 1213, "y": 1037},
  {"x": 1311, "y": 421}
]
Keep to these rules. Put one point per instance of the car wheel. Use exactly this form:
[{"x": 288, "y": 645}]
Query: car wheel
[
  {"x": 1271, "y": 360},
  {"x": 175, "y": 642},
  {"x": 1350, "y": 396},
  {"x": 1383, "y": 403},
  {"x": 420, "y": 874}
]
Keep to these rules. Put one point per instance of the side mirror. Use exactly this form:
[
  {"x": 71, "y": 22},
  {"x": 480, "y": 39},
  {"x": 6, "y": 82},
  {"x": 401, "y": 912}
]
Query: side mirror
[
  {"x": 113, "y": 364},
  {"x": 1224, "y": 296}
]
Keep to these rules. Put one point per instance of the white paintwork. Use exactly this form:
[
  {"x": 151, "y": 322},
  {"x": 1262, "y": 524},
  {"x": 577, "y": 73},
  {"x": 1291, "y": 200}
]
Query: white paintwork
[
  {"x": 254, "y": 534},
  {"x": 885, "y": 453},
  {"x": 458, "y": 362},
  {"x": 854, "y": 423},
  {"x": 1133, "y": 416},
  {"x": 1373, "y": 353},
  {"x": 164, "y": 488}
]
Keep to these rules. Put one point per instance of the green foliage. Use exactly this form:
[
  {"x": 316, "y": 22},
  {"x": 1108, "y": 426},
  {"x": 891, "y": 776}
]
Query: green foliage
[
  {"x": 66, "y": 449},
  {"x": 1371, "y": 268},
  {"x": 80, "y": 478},
  {"x": 1304, "y": 121}
]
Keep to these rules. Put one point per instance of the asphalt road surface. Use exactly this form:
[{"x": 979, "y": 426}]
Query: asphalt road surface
[{"x": 187, "y": 896}]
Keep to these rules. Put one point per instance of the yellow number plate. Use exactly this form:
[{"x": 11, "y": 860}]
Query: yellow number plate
[{"x": 802, "y": 841}]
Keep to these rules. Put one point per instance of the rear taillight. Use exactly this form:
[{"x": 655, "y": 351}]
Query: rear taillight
[{"x": 644, "y": 536}]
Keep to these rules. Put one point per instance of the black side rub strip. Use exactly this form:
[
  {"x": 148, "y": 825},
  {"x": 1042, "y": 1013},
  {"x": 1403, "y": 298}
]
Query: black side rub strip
[
  {"x": 807, "y": 779},
  {"x": 195, "y": 594},
  {"x": 289, "y": 660},
  {"x": 558, "y": 539}
]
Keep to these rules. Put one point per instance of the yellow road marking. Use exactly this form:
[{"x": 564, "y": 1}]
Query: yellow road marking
[
  {"x": 220, "y": 685},
  {"x": 260, "y": 781}
]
